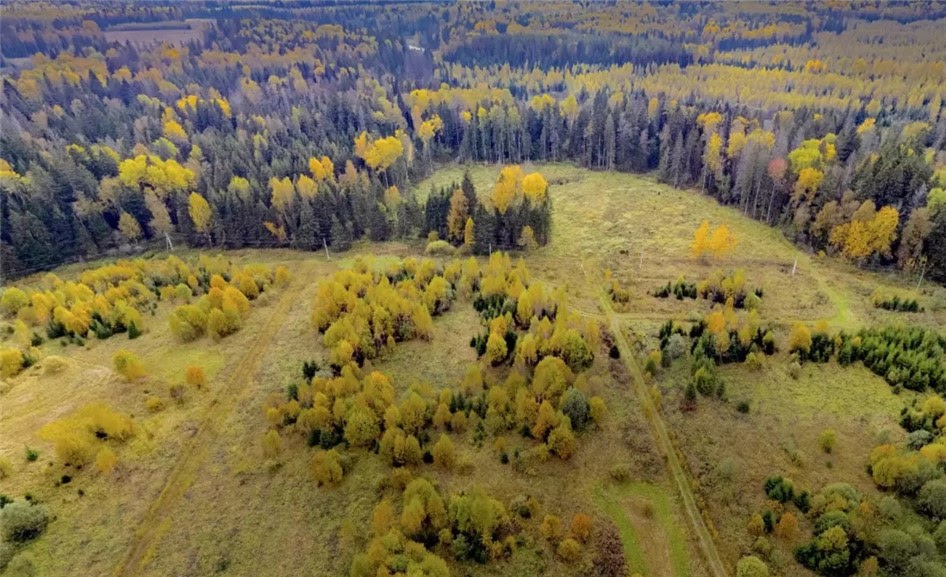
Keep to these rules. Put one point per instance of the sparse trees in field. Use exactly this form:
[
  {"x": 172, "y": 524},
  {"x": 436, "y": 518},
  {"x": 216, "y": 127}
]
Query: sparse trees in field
[{"x": 717, "y": 242}]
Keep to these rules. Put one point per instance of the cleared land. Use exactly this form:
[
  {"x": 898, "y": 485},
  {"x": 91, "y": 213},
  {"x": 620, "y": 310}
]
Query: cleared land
[
  {"x": 194, "y": 494},
  {"x": 172, "y": 33}
]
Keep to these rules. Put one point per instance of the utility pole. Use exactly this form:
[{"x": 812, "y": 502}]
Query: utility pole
[{"x": 922, "y": 272}]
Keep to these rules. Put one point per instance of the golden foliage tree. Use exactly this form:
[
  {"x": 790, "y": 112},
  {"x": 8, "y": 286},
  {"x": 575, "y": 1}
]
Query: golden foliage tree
[{"x": 200, "y": 213}]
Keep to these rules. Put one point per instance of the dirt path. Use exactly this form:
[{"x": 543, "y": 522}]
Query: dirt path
[
  {"x": 681, "y": 480},
  {"x": 196, "y": 450}
]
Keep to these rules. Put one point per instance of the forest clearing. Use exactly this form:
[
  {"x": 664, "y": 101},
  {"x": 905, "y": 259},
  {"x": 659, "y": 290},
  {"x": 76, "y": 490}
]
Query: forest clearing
[{"x": 210, "y": 438}]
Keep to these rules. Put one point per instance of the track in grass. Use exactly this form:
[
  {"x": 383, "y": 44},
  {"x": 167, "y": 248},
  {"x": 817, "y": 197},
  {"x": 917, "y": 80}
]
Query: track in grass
[
  {"x": 195, "y": 451},
  {"x": 681, "y": 480}
]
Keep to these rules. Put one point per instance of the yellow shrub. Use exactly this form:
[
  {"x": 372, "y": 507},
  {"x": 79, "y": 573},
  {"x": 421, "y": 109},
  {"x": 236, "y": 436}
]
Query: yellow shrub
[
  {"x": 11, "y": 362},
  {"x": 106, "y": 460},
  {"x": 196, "y": 377},
  {"x": 127, "y": 365}
]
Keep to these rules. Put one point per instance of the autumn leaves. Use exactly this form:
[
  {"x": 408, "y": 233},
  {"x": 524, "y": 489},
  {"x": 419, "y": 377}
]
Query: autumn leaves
[{"x": 716, "y": 242}]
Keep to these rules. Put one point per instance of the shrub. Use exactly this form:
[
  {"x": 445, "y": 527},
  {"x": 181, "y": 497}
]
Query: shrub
[
  {"x": 794, "y": 369},
  {"x": 756, "y": 525},
  {"x": 561, "y": 441},
  {"x": 106, "y": 460},
  {"x": 127, "y": 365},
  {"x": 326, "y": 467},
  {"x": 827, "y": 440},
  {"x": 439, "y": 248},
  {"x": 676, "y": 347},
  {"x": 31, "y": 454},
  {"x": 444, "y": 453},
  {"x": 154, "y": 403},
  {"x": 779, "y": 489},
  {"x": 581, "y": 527},
  {"x": 799, "y": 341},
  {"x": 551, "y": 528},
  {"x": 272, "y": 443},
  {"x": 23, "y": 521},
  {"x": 12, "y": 300},
  {"x": 11, "y": 362},
  {"x": 939, "y": 536},
  {"x": 609, "y": 560},
  {"x": 743, "y": 407},
  {"x": 597, "y": 409},
  {"x": 6, "y": 468},
  {"x": 620, "y": 473},
  {"x": 196, "y": 377},
  {"x": 188, "y": 322},
  {"x": 751, "y": 566},
  {"x": 787, "y": 525},
  {"x": 576, "y": 408},
  {"x": 569, "y": 550},
  {"x": 932, "y": 498}
]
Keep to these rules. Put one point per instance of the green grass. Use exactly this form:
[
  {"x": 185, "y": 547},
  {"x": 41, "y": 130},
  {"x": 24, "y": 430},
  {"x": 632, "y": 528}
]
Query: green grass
[{"x": 645, "y": 518}]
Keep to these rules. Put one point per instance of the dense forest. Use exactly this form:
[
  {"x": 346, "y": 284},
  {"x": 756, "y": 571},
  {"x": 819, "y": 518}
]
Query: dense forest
[{"x": 305, "y": 124}]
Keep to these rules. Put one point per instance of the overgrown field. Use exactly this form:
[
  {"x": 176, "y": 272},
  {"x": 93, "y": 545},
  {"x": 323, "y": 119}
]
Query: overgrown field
[{"x": 197, "y": 489}]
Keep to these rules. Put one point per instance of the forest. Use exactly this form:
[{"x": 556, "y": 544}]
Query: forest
[
  {"x": 293, "y": 131},
  {"x": 424, "y": 289}
]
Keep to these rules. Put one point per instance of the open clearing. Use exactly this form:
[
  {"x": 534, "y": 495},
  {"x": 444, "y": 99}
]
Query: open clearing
[
  {"x": 171, "y": 33},
  {"x": 194, "y": 495}
]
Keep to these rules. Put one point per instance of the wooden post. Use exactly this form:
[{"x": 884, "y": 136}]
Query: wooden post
[
  {"x": 795, "y": 266},
  {"x": 167, "y": 239},
  {"x": 640, "y": 266},
  {"x": 325, "y": 246}
]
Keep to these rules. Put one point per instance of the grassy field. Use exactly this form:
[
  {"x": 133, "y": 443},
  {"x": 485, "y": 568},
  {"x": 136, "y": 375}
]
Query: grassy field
[
  {"x": 194, "y": 495},
  {"x": 172, "y": 33}
]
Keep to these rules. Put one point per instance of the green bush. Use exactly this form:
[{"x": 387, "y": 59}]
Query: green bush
[
  {"x": 22, "y": 521},
  {"x": 751, "y": 566},
  {"x": 575, "y": 407},
  {"x": 779, "y": 489},
  {"x": 932, "y": 498}
]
